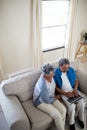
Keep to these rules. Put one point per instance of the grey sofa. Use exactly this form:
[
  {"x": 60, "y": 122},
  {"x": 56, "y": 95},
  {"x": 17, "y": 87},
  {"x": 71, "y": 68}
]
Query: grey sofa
[{"x": 16, "y": 100}]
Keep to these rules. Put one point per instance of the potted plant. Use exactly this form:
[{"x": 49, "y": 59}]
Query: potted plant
[{"x": 85, "y": 36}]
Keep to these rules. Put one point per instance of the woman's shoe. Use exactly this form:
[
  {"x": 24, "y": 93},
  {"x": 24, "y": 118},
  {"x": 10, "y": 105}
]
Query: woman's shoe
[{"x": 72, "y": 127}]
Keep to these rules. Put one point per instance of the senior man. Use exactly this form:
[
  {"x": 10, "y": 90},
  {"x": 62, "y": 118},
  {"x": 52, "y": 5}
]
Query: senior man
[{"x": 67, "y": 86}]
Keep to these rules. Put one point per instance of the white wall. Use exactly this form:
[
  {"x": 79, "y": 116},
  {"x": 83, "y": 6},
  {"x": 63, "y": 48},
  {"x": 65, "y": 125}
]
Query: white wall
[
  {"x": 15, "y": 37},
  {"x": 81, "y": 17}
]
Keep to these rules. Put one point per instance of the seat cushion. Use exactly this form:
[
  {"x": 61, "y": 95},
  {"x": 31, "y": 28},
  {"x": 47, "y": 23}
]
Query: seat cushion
[{"x": 38, "y": 119}]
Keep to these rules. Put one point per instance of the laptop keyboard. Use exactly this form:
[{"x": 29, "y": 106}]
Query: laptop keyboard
[{"x": 74, "y": 99}]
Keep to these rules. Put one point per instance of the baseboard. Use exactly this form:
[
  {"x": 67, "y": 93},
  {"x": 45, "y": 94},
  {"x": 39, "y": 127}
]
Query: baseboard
[{"x": 11, "y": 75}]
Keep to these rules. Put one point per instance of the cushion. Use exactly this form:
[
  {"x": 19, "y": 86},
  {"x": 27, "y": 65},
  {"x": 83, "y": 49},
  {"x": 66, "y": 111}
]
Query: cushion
[
  {"x": 84, "y": 98},
  {"x": 74, "y": 64},
  {"x": 82, "y": 78},
  {"x": 22, "y": 86},
  {"x": 38, "y": 119}
]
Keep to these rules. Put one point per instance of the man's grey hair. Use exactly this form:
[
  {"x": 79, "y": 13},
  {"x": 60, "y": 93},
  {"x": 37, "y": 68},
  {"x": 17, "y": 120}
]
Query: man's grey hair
[
  {"x": 63, "y": 61},
  {"x": 47, "y": 68}
]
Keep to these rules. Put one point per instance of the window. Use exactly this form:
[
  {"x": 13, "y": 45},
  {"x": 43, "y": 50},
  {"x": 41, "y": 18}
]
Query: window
[{"x": 54, "y": 23}]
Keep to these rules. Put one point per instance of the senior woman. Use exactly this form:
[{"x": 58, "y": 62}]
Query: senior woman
[{"x": 44, "y": 97}]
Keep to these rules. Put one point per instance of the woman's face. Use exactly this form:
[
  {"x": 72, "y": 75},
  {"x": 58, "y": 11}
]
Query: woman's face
[{"x": 50, "y": 76}]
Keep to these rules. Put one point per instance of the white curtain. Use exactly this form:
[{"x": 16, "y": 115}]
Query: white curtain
[
  {"x": 36, "y": 32},
  {"x": 72, "y": 29}
]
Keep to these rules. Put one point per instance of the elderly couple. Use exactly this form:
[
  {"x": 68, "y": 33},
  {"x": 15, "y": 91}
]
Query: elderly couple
[{"x": 62, "y": 80}]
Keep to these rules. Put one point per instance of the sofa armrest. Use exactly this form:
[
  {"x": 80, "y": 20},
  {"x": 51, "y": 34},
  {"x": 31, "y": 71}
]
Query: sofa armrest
[
  {"x": 14, "y": 112},
  {"x": 82, "y": 78}
]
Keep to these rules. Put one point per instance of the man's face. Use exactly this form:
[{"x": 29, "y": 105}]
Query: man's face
[{"x": 64, "y": 68}]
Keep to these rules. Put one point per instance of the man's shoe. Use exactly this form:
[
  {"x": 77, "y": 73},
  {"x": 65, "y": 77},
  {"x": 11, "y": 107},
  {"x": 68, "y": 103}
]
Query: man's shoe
[
  {"x": 81, "y": 123},
  {"x": 72, "y": 127}
]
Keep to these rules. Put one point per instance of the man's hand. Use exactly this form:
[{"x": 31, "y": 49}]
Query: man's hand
[
  {"x": 69, "y": 94},
  {"x": 75, "y": 92}
]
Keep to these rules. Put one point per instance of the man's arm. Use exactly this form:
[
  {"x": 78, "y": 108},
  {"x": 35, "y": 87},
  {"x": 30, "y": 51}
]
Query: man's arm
[
  {"x": 67, "y": 94},
  {"x": 75, "y": 90},
  {"x": 76, "y": 85}
]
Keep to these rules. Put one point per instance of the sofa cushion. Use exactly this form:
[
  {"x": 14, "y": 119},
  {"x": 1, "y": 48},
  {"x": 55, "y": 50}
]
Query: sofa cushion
[
  {"x": 38, "y": 119},
  {"x": 82, "y": 78},
  {"x": 84, "y": 98},
  {"x": 22, "y": 86},
  {"x": 74, "y": 64}
]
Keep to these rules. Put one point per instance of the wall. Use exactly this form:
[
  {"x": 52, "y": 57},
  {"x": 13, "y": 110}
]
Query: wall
[
  {"x": 81, "y": 17},
  {"x": 15, "y": 36}
]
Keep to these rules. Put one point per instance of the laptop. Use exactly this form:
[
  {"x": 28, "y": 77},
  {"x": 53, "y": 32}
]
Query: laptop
[{"x": 74, "y": 99}]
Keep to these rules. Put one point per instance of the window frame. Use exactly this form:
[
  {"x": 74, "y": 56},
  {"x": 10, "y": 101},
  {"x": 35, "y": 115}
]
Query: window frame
[{"x": 63, "y": 46}]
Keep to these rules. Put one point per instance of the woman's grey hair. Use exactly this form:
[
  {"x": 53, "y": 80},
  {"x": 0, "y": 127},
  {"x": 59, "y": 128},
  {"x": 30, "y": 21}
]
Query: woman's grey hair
[
  {"x": 63, "y": 61},
  {"x": 46, "y": 69}
]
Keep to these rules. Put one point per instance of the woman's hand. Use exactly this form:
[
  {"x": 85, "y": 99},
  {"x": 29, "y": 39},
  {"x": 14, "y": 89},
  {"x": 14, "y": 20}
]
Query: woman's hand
[{"x": 58, "y": 97}]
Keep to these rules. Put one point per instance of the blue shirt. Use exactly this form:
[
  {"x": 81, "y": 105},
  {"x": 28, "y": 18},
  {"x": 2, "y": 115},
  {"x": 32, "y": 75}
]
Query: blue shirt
[{"x": 70, "y": 74}]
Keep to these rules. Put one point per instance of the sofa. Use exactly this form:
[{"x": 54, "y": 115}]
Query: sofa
[{"x": 16, "y": 100}]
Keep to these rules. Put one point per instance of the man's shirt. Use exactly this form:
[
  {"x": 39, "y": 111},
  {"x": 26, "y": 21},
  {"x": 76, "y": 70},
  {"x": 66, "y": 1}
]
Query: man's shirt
[
  {"x": 66, "y": 86},
  {"x": 71, "y": 75}
]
